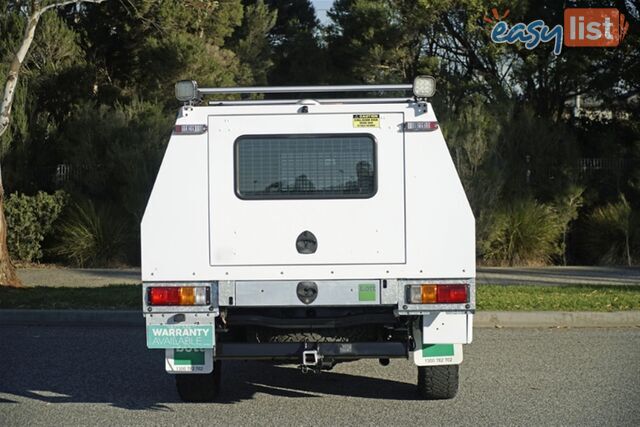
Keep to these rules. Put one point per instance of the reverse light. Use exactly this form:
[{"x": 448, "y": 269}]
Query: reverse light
[
  {"x": 424, "y": 86},
  {"x": 179, "y": 295},
  {"x": 189, "y": 129},
  {"x": 436, "y": 294}
]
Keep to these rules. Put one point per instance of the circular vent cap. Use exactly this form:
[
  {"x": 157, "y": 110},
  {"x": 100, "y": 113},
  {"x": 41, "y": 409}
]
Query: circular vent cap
[{"x": 306, "y": 243}]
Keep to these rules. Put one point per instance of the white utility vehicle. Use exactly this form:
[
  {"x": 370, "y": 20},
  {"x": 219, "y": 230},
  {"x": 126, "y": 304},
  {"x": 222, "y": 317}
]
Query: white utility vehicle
[{"x": 308, "y": 231}]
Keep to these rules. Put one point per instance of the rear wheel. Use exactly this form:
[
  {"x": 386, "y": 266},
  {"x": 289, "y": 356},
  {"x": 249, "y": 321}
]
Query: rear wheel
[
  {"x": 438, "y": 382},
  {"x": 200, "y": 387}
]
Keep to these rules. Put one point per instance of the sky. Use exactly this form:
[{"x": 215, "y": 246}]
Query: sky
[{"x": 322, "y": 6}]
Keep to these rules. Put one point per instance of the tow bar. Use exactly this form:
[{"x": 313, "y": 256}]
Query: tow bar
[
  {"x": 311, "y": 361},
  {"x": 310, "y": 357}
]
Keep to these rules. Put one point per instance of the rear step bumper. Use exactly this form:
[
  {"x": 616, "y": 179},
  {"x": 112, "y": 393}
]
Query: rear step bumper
[{"x": 294, "y": 351}]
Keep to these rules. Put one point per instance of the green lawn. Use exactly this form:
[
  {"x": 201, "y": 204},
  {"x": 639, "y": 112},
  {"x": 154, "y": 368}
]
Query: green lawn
[
  {"x": 550, "y": 298},
  {"x": 489, "y": 297}
]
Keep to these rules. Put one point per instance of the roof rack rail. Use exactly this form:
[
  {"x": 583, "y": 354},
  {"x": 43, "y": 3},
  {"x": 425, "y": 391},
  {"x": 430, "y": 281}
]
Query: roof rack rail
[
  {"x": 188, "y": 90},
  {"x": 319, "y": 101},
  {"x": 305, "y": 89}
]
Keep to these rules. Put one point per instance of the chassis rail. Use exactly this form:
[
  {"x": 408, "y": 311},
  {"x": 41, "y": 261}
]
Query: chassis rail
[{"x": 359, "y": 350}]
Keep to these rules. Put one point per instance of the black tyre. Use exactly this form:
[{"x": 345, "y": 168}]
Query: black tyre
[
  {"x": 438, "y": 382},
  {"x": 200, "y": 387}
]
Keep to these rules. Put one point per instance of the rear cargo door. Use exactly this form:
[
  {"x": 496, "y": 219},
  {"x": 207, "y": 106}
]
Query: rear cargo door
[{"x": 306, "y": 189}]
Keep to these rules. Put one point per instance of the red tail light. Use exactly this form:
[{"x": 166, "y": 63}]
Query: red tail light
[
  {"x": 164, "y": 296},
  {"x": 449, "y": 294},
  {"x": 179, "y": 295},
  {"x": 436, "y": 294}
]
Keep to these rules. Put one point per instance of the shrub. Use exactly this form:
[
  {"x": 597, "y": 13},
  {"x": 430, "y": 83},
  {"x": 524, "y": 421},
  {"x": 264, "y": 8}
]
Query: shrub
[
  {"x": 613, "y": 233},
  {"x": 523, "y": 233},
  {"x": 91, "y": 237},
  {"x": 567, "y": 207},
  {"x": 115, "y": 153},
  {"x": 29, "y": 220}
]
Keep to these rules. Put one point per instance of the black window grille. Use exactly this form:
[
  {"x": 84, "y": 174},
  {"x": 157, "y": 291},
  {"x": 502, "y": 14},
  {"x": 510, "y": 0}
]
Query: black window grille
[{"x": 305, "y": 166}]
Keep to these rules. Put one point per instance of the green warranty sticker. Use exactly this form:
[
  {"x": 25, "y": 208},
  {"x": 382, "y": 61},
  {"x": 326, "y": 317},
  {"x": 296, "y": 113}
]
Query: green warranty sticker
[
  {"x": 366, "y": 292},
  {"x": 180, "y": 336}
]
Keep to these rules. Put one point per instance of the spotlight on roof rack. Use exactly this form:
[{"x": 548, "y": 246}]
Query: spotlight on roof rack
[
  {"x": 186, "y": 90},
  {"x": 424, "y": 86}
]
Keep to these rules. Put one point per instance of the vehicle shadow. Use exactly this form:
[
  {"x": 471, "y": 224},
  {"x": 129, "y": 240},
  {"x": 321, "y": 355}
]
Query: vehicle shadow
[
  {"x": 84, "y": 365},
  {"x": 242, "y": 380},
  {"x": 113, "y": 366}
]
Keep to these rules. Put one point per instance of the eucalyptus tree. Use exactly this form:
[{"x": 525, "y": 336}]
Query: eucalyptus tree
[{"x": 31, "y": 13}]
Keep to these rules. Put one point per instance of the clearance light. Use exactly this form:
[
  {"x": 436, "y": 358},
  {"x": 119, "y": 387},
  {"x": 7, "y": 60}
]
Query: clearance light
[
  {"x": 179, "y": 295},
  {"x": 436, "y": 294},
  {"x": 420, "y": 126},
  {"x": 189, "y": 129}
]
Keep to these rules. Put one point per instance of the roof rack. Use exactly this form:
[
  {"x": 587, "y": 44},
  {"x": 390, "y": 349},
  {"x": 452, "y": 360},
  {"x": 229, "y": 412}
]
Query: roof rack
[{"x": 423, "y": 87}]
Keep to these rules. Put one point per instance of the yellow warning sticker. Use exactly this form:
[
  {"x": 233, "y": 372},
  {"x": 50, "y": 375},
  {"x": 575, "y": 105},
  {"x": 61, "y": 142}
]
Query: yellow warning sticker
[{"x": 366, "y": 120}]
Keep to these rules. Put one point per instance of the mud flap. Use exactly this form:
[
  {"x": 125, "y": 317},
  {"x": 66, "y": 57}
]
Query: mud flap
[{"x": 439, "y": 337}]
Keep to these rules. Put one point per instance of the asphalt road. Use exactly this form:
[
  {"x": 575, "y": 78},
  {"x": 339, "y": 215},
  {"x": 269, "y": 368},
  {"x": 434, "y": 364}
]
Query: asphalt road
[
  {"x": 88, "y": 376},
  {"x": 545, "y": 276},
  {"x": 559, "y": 276}
]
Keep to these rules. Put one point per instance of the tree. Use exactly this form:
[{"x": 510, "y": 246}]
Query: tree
[
  {"x": 142, "y": 48},
  {"x": 366, "y": 41},
  {"x": 251, "y": 44},
  {"x": 298, "y": 56},
  {"x": 33, "y": 11}
]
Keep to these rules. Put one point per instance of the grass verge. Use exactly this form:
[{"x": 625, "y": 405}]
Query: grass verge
[
  {"x": 489, "y": 297},
  {"x": 557, "y": 298}
]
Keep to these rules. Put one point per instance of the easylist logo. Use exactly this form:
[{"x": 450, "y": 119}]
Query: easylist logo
[
  {"x": 594, "y": 27},
  {"x": 583, "y": 27}
]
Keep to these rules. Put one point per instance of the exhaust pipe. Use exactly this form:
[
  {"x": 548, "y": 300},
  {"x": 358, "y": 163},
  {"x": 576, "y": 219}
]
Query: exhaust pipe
[{"x": 384, "y": 362}]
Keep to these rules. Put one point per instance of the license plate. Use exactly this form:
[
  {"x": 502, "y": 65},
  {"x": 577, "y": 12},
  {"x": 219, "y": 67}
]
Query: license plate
[{"x": 180, "y": 336}]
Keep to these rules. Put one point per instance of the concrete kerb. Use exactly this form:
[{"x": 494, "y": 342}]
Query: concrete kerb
[
  {"x": 483, "y": 319},
  {"x": 554, "y": 319}
]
